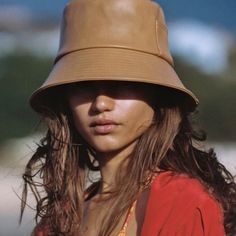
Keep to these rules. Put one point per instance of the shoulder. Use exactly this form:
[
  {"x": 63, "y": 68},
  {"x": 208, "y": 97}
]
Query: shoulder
[
  {"x": 178, "y": 202},
  {"x": 177, "y": 185},
  {"x": 179, "y": 190}
]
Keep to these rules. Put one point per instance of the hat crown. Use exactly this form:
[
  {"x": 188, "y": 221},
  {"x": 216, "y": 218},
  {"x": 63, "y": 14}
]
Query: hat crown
[
  {"x": 122, "y": 40},
  {"x": 130, "y": 24}
]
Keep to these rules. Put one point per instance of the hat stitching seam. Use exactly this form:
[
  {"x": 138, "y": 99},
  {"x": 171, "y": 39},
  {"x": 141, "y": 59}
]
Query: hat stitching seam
[
  {"x": 117, "y": 47},
  {"x": 157, "y": 39},
  {"x": 163, "y": 26}
]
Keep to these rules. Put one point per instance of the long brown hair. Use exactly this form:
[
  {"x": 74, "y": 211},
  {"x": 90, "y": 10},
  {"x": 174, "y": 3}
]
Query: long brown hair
[{"x": 58, "y": 170}]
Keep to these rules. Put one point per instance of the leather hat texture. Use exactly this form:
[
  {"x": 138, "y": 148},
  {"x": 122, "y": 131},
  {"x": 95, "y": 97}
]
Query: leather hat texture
[{"x": 123, "y": 40}]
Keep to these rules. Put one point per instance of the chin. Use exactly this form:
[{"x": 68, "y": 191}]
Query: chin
[
  {"x": 106, "y": 148},
  {"x": 113, "y": 147}
]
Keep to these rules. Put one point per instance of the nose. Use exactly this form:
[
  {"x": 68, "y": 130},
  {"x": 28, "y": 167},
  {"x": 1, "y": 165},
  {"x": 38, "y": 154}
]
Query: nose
[{"x": 102, "y": 102}]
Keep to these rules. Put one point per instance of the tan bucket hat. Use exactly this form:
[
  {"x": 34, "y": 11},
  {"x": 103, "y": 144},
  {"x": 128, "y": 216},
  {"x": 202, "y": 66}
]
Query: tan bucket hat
[{"x": 124, "y": 40}]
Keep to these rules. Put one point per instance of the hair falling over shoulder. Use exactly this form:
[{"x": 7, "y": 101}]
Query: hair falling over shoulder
[{"x": 58, "y": 171}]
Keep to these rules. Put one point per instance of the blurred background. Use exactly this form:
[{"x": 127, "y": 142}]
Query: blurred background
[{"x": 202, "y": 37}]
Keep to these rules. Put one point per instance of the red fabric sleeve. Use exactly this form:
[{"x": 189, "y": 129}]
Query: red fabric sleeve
[
  {"x": 180, "y": 206},
  {"x": 40, "y": 230}
]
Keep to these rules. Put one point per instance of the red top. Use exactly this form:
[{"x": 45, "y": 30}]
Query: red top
[{"x": 179, "y": 206}]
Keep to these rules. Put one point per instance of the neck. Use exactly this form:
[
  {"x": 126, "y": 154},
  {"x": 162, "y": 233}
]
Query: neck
[{"x": 109, "y": 164}]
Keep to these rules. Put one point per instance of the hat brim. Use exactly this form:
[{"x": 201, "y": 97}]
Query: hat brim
[{"x": 116, "y": 64}]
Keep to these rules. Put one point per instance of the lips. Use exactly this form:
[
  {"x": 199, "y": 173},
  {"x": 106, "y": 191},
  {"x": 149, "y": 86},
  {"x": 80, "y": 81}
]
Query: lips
[{"x": 103, "y": 126}]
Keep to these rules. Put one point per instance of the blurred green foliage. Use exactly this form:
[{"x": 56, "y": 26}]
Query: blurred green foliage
[
  {"x": 217, "y": 95},
  {"x": 20, "y": 74}
]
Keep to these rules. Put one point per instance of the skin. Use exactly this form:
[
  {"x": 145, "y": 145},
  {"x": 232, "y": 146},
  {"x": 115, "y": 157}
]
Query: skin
[
  {"x": 122, "y": 113},
  {"x": 114, "y": 101}
]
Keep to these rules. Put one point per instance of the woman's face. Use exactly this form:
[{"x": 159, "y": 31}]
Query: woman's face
[{"x": 110, "y": 115}]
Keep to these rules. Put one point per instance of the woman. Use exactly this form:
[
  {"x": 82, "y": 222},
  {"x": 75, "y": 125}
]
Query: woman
[{"x": 114, "y": 104}]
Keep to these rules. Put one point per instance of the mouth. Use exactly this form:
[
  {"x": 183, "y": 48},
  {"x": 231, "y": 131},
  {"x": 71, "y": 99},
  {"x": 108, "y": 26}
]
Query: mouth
[{"x": 103, "y": 126}]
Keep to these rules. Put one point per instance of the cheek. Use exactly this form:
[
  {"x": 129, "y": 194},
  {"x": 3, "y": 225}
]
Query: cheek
[
  {"x": 139, "y": 116},
  {"x": 80, "y": 117}
]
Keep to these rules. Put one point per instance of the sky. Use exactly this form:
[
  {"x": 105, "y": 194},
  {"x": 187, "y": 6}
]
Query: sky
[{"x": 220, "y": 13}]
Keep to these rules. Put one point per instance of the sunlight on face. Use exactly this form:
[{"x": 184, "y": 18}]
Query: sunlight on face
[{"x": 110, "y": 115}]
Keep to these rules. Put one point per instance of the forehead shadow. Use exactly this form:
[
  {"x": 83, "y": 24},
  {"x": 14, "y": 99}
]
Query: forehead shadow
[
  {"x": 107, "y": 84},
  {"x": 114, "y": 89},
  {"x": 158, "y": 96}
]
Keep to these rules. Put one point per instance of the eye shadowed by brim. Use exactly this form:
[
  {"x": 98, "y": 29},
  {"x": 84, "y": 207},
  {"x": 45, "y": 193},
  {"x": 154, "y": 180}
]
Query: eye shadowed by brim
[{"x": 158, "y": 95}]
